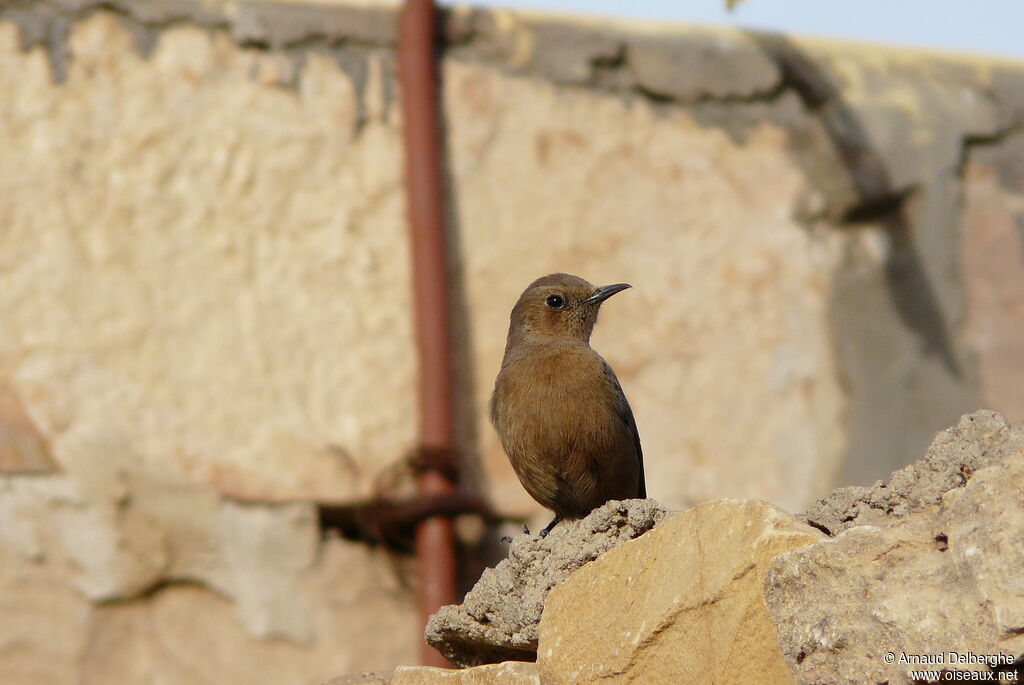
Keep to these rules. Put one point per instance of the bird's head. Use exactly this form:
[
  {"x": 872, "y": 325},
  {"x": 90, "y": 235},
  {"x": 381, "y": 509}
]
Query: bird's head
[{"x": 558, "y": 308}]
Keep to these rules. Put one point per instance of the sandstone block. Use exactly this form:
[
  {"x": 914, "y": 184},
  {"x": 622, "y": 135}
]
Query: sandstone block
[
  {"x": 682, "y": 604},
  {"x": 498, "y": 619},
  {"x": 941, "y": 575}
]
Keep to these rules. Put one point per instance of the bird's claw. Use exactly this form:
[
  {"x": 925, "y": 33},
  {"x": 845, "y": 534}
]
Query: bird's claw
[{"x": 547, "y": 529}]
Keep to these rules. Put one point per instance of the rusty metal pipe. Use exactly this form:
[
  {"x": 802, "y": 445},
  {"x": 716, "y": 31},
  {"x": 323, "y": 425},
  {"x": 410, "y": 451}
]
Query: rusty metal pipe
[{"x": 417, "y": 76}]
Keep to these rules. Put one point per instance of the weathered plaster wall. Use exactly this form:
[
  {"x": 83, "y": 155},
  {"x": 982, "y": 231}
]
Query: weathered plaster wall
[
  {"x": 192, "y": 251},
  {"x": 204, "y": 306}
]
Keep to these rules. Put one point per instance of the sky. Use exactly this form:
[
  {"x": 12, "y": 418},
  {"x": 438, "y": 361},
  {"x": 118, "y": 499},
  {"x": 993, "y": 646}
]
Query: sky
[{"x": 985, "y": 26}]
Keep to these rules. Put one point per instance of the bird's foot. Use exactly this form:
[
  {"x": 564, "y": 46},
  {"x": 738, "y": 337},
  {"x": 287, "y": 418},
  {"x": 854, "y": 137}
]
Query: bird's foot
[
  {"x": 547, "y": 529},
  {"x": 507, "y": 539}
]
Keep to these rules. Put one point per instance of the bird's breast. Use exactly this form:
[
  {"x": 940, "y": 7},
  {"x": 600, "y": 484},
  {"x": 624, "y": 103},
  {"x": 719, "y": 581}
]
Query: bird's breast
[
  {"x": 554, "y": 394},
  {"x": 558, "y": 414}
]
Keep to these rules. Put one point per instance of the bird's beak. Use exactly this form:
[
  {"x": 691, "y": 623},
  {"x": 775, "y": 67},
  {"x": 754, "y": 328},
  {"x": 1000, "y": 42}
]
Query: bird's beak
[{"x": 606, "y": 291}]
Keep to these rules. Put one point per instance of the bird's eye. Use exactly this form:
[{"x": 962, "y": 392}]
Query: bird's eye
[{"x": 554, "y": 301}]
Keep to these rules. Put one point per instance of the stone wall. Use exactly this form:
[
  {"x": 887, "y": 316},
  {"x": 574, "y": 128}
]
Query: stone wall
[{"x": 204, "y": 291}]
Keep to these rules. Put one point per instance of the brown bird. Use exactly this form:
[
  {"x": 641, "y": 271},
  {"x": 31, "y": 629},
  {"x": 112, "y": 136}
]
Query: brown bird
[{"x": 558, "y": 407}]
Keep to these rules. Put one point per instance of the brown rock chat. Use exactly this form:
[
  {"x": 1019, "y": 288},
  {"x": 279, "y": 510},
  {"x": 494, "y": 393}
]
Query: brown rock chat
[{"x": 558, "y": 407}]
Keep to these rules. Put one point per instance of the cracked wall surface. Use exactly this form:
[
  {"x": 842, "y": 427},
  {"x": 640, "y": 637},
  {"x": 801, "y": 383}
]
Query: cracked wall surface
[{"x": 204, "y": 306}]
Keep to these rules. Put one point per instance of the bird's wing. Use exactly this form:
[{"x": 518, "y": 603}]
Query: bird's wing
[{"x": 626, "y": 414}]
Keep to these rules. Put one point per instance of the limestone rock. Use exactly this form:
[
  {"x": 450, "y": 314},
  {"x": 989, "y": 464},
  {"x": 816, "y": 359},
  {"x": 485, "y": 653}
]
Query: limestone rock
[
  {"x": 498, "y": 619},
  {"x": 682, "y": 604},
  {"x": 941, "y": 573},
  {"x": 980, "y": 439}
]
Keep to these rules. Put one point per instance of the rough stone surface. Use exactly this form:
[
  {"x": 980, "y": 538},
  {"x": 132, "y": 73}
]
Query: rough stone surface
[
  {"x": 682, "y": 604},
  {"x": 977, "y": 441},
  {"x": 498, "y": 618},
  {"x": 940, "y": 574}
]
